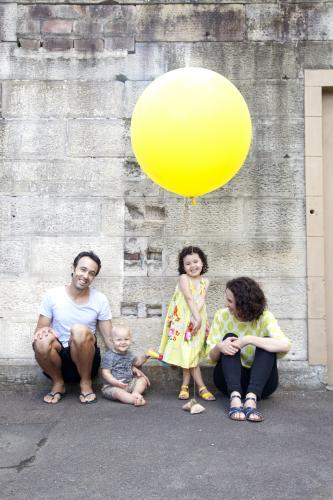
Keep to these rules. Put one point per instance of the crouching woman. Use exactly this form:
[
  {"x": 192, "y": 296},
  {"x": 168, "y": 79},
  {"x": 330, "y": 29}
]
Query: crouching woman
[{"x": 245, "y": 341}]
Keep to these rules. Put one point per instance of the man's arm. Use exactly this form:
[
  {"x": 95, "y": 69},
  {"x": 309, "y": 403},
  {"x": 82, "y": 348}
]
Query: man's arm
[{"x": 105, "y": 327}]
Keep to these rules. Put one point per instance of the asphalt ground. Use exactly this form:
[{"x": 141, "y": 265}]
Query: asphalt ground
[{"x": 109, "y": 450}]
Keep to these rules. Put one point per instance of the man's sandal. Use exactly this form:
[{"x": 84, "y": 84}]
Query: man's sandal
[
  {"x": 205, "y": 394},
  {"x": 253, "y": 411},
  {"x": 236, "y": 409},
  {"x": 184, "y": 392},
  {"x": 55, "y": 397},
  {"x": 84, "y": 401}
]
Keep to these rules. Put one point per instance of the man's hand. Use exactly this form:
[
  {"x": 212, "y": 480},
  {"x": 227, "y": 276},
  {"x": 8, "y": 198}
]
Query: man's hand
[
  {"x": 43, "y": 332},
  {"x": 138, "y": 373}
]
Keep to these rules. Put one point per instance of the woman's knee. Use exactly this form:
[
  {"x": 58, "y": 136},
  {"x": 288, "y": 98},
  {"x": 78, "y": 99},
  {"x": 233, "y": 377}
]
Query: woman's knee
[
  {"x": 263, "y": 356},
  {"x": 230, "y": 334}
]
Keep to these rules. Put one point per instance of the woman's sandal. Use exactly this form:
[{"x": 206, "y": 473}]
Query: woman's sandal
[
  {"x": 253, "y": 411},
  {"x": 184, "y": 392},
  {"x": 236, "y": 409},
  {"x": 205, "y": 394}
]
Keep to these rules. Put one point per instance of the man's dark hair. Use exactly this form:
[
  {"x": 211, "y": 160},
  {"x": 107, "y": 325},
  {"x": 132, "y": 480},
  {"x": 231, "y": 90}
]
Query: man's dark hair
[
  {"x": 249, "y": 298},
  {"x": 190, "y": 251},
  {"x": 92, "y": 256}
]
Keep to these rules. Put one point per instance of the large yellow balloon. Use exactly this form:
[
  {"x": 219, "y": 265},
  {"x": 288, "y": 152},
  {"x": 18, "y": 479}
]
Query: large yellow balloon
[{"x": 191, "y": 131}]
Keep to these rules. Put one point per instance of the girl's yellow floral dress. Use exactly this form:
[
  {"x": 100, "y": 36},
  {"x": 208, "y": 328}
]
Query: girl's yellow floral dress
[{"x": 179, "y": 345}]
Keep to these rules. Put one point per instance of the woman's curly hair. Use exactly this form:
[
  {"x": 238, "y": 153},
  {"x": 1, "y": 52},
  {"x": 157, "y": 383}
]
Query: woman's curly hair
[
  {"x": 190, "y": 251},
  {"x": 249, "y": 298}
]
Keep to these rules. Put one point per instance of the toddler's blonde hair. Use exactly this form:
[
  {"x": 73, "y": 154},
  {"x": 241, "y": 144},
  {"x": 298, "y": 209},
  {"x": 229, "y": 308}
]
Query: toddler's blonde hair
[{"x": 120, "y": 324}]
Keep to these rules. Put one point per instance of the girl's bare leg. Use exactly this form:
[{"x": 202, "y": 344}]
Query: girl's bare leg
[
  {"x": 197, "y": 377},
  {"x": 203, "y": 391},
  {"x": 184, "y": 394},
  {"x": 186, "y": 376}
]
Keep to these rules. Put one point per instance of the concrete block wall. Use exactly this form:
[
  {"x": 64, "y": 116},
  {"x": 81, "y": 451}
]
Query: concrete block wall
[{"x": 70, "y": 75}]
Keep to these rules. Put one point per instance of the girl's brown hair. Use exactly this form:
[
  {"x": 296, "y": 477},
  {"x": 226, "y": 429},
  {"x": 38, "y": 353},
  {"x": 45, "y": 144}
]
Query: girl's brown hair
[{"x": 190, "y": 251}]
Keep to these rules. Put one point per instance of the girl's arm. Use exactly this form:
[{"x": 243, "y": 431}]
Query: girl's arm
[
  {"x": 267, "y": 343},
  {"x": 110, "y": 379},
  {"x": 201, "y": 301},
  {"x": 185, "y": 289}
]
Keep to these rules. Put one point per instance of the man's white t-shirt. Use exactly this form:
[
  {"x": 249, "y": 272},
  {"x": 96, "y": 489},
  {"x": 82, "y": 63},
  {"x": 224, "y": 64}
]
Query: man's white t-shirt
[{"x": 64, "y": 313}]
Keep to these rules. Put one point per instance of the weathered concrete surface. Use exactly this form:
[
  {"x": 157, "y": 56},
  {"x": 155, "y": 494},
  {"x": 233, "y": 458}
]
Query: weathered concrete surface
[
  {"x": 110, "y": 450},
  {"x": 70, "y": 75}
]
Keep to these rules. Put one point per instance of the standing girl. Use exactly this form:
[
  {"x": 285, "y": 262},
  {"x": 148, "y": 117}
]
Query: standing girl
[{"x": 186, "y": 326}]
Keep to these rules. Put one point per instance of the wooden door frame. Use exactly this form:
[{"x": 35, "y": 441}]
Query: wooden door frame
[{"x": 320, "y": 336}]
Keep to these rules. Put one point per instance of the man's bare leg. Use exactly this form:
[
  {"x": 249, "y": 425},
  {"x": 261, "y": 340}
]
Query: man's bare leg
[
  {"x": 82, "y": 346},
  {"x": 47, "y": 356}
]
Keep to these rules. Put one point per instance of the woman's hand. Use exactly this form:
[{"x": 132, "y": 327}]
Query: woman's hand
[
  {"x": 241, "y": 342},
  {"x": 228, "y": 346}
]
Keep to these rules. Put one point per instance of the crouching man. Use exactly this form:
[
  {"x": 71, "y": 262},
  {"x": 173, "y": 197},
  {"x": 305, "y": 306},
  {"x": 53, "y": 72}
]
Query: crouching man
[{"x": 65, "y": 337}]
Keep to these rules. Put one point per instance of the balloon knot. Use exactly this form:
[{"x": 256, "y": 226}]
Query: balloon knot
[{"x": 193, "y": 201}]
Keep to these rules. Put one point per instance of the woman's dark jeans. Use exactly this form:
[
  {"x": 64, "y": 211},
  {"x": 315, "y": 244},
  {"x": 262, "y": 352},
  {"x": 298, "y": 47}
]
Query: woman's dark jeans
[{"x": 262, "y": 378}]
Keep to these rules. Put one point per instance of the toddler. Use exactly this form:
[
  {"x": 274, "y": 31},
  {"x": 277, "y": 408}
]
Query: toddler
[{"x": 117, "y": 370}]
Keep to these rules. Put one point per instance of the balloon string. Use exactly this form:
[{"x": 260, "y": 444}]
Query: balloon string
[
  {"x": 187, "y": 213},
  {"x": 186, "y": 218}
]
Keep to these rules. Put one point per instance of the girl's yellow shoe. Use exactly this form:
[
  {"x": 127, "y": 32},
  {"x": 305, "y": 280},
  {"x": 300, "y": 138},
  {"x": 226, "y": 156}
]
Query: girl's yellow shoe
[
  {"x": 184, "y": 393},
  {"x": 205, "y": 394}
]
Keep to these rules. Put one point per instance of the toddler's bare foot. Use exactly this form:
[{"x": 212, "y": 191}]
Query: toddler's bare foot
[{"x": 138, "y": 399}]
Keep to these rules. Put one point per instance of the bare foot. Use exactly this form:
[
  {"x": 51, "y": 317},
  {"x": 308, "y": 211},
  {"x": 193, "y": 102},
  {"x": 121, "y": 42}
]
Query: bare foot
[
  {"x": 56, "y": 394},
  {"x": 138, "y": 399}
]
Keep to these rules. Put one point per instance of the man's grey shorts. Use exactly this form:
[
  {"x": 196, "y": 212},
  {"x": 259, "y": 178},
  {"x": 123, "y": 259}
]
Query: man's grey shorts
[{"x": 109, "y": 391}]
